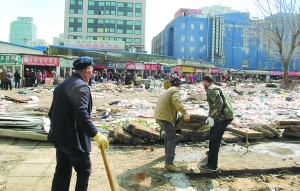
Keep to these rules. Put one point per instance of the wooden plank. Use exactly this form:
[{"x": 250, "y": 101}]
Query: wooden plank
[
  {"x": 23, "y": 134},
  {"x": 288, "y": 122},
  {"x": 242, "y": 132}
]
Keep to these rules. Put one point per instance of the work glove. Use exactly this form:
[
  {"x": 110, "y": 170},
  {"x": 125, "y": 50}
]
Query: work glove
[
  {"x": 101, "y": 140},
  {"x": 210, "y": 122},
  {"x": 187, "y": 117}
]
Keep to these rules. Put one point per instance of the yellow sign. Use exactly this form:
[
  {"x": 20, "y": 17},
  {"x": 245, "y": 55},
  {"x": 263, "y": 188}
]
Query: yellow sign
[{"x": 187, "y": 69}]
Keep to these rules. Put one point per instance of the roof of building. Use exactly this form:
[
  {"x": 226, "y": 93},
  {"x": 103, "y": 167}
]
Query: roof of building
[{"x": 19, "y": 45}]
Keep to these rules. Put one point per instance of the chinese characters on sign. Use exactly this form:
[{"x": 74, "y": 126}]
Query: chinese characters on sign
[
  {"x": 120, "y": 65},
  {"x": 10, "y": 59},
  {"x": 151, "y": 67},
  {"x": 41, "y": 60},
  {"x": 187, "y": 69},
  {"x": 95, "y": 44},
  {"x": 177, "y": 68}
]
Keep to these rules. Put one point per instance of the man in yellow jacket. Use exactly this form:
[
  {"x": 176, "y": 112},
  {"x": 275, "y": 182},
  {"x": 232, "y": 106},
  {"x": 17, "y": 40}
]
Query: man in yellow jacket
[{"x": 166, "y": 110}]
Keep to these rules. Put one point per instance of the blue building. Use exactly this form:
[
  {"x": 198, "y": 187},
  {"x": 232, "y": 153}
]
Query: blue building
[{"x": 229, "y": 40}]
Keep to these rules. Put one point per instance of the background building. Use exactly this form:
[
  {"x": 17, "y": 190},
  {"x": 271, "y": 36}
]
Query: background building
[
  {"x": 106, "y": 20},
  {"x": 229, "y": 40},
  {"x": 22, "y": 31},
  {"x": 216, "y": 9},
  {"x": 38, "y": 42},
  {"x": 58, "y": 40}
]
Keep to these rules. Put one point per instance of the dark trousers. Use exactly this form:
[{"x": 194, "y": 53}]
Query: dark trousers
[
  {"x": 17, "y": 83},
  {"x": 28, "y": 82},
  {"x": 65, "y": 159},
  {"x": 215, "y": 137},
  {"x": 3, "y": 84},
  {"x": 8, "y": 84},
  {"x": 170, "y": 140}
]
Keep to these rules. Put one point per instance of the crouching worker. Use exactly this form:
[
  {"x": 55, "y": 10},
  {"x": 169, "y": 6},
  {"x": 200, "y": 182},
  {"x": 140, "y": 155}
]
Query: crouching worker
[
  {"x": 166, "y": 110},
  {"x": 220, "y": 116},
  {"x": 72, "y": 129}
]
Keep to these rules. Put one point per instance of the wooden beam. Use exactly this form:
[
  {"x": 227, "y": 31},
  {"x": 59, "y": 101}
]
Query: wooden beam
[
  {"x": 242, "y": 132},
  {"x": 288, "y": 122}
]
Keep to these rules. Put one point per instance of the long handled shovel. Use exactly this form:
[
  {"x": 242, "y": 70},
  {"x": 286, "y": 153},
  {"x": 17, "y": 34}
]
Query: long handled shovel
[{"x": 111, "y": 181}]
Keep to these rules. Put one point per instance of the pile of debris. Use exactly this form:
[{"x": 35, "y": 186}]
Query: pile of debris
[{"x": 291, "y": 127}]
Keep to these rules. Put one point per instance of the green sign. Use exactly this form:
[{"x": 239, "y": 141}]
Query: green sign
[
  {"x": 64, "y": 63},
  {"x": 10, "y": 59}
]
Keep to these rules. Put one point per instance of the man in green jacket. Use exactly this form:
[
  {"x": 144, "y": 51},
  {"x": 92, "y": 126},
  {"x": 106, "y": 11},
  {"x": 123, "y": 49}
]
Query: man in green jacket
[
  {"x": 221, "y": 115},
  {"x": 166, "y": 110}
]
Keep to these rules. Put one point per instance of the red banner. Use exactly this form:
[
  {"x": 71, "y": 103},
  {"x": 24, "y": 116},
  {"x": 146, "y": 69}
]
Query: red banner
[
  {"x": 99, "y": 67},
  {"x": 177, "y": 68},
  {"x": 151, "y": 67},
  {"x": 41, "y": 60},
  {"x": 214, "y": 70}
]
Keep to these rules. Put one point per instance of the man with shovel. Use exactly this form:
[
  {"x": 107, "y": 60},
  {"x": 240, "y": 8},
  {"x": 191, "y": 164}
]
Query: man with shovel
[
  {"x": 71, "y": 128},
  {"x": 220, "y": 116}
]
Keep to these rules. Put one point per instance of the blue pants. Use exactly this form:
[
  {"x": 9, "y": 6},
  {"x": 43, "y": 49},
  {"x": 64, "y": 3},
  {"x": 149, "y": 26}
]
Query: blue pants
[{"x": 65, "y": 160}]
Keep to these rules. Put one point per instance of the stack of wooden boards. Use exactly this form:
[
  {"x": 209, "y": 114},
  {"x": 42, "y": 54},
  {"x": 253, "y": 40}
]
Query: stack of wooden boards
[
  {"x": 291, "y": 127},
  {"x": 24, "y": 125}
]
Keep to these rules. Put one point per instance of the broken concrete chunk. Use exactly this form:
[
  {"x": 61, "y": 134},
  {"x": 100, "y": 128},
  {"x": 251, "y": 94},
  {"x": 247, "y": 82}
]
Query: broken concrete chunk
[
  {"x": 141, "y": 130},
  {"x": 288, "y": 122},
  {"x": 265, "y": 132},
  {"x": 287, "y": 132},
  {"x": 229, "y": 137},
  {"x": 242, "y": 132},
  {"x": 195, "y": 124}
]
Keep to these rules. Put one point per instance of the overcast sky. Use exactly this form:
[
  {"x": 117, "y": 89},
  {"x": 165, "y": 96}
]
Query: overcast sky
[{"x": 48, "y": 15}]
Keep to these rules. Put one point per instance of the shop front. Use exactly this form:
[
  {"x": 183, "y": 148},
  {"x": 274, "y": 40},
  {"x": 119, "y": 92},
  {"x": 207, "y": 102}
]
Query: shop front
[
  {"x": 11, "y": 62},
  {"x": 111, "y": 66},
  {"x": 177, "y": 69},
  {"x": 66, "y": 67},
  {"x": 188, "y": 69},
  {"x": 120, "y": 66},
  {"x": 151, "y": 68},
  {"x": 135, "y": 66},
  {"x": 263, "y": 75}
]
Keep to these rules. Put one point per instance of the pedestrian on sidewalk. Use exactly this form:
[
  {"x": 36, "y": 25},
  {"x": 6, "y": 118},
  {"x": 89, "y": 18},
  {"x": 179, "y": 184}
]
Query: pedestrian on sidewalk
[
  {"x": 71, "y": 128},
  {"x": 2, "y": 77},
  {"x": 221, "y": 115},
  {"x": 17, "y": 79},
  {"x": 8, "y": 80},
  {"x": 166, "y": 111}
]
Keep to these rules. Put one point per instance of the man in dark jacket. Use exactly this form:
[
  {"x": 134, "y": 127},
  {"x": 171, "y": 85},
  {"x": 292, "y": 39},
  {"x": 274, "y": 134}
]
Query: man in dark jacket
[
  {"x": 221, "y": 114},
  {"x": 27, "y": 78},
  {"x": 71, "y": 127},
  {"x": 17, "y": 79}
]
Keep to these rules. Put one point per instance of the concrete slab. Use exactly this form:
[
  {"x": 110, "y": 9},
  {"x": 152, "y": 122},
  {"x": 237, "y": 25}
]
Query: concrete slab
[
  {"x": 43, "y": 184},
  {"x": 27, "y": 183},
  {"x": 44, "y": 149},
  {"x": 32, "y": 170},
  {"x": 19, "y": 149},
  {"x": 39, "y": 158}
]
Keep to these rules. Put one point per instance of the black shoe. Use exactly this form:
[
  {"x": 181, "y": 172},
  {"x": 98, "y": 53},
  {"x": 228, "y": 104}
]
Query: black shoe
[{"x": 207, "y": 167}]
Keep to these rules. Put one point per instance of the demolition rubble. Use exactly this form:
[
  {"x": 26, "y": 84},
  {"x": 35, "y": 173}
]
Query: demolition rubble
[{"x": 127, "y": 114}]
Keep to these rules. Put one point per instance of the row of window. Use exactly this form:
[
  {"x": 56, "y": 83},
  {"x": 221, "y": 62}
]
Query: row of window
[
  {"x": 191, "y": 38},
  {"x": 192, "y": 26},
  {"x": 111, "y": 4},
  {"x": 109, "y": 12},
  {"x": 127, "y": 40},
  {"x": 191, "y": 48},
  {"x": 111, "y": 30},
  {"x": 110, "y": 21}
]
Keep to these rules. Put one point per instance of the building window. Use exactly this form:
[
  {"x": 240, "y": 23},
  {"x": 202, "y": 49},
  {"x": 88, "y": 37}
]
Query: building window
[
  {"x": 71, "y": 29},
  {"x": 201, "y": 39},
  {"x": 138, "y": 5},
  {"x": 120, "y": 4},
  {"x": 107, "y": 3},
  {"x": 192, "y": 26},
  {"x": 130, "y": 5},
  {"x": 89, "y": 38},
  {"x": 120, "y": 13},
  {"x": 182, "y": 49},
  {"x": 182, "y": 38},
  {"x": 182, "y": 25},
  {"x": 72, "y": 11},
  {"x": 91, "y": 12},
  {"x": 70, "y": 37},
  {"x": 71, "y": 20},
  {"x": 100, "y": 21},
  {"x": 137, "y": 32},
  {"x": 192, "y": 49},
  {"x": 138, "y": 23},
  {"x": 112, "y": 21},
  {"x": 100, "y": 38},
  {"x": 111, "y": 38},
  {"x": 230, "y": 41},
  {"x": 79, "y": 11},
  {"x": 120, "y": 22},
  {"x": 101, "y": 12},
  {"x": 200, "y": 50},
  {"x": 245, "y": 63},
  {"x": 120, "y": 31},
  {"x": 79, "y": 29},
  {"x": 90, "y": 30},
  {"x": 128, "y": 40},
  {"x": 192, "y": 38},
  {"x": 100, "y": 30},
  {"x": 129, "y": 14},
  {"x": 107, "y": 12},
  {"x": 113, "y": 12},
  {"x": 138, "y": 14},
  {"x": 90, "y": 20},
  {"x": 112, "y": 30},
  {"x": 128, "y": 31},
  {"x": 107, "y": 21},
  {"x": 201, "y": 26},
  {"x": 101, "y": 4},
  {"x": 137, "y": 41},
  {"x": 92, "y": 3},
  {"x": 79, "y": 20},
  {"x": 128, "y": 22},
  {"x": 79, "y": 2},
  {"x": 192, "y": 58},
  {"x": 113, "y": 4},
  {"x": 119, "y": 39},
  {"x": 72, "y": 2},
  {"x": 238, "y": 42}
]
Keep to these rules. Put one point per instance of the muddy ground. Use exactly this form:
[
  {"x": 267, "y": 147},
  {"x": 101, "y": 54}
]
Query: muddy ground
[{"x": 29, "y": 165}]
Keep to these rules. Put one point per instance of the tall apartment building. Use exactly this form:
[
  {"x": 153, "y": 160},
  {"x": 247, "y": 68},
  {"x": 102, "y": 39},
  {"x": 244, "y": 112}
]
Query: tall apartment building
[
  {"x": 22, "y": 31},
  {"x": 119, "y": 20}
]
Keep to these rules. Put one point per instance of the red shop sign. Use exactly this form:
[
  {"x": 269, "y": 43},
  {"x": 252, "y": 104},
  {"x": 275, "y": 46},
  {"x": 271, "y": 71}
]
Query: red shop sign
[
  {"x": 41, "y": 60},
  {"x": 214, "y": 70},
  {"x": 130, "y": 65},
  {"x": 177, "y": 68}
]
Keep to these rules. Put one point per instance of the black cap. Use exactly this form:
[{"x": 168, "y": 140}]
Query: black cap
[
  {"x": 83, "y": 62},
  {"x": 208, "y": 78},
  {"x": 176, "y": 82}
]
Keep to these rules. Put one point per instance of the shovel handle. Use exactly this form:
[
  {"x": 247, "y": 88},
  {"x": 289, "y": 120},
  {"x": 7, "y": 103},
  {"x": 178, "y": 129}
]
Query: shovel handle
[{"x": 110, "y": 178}]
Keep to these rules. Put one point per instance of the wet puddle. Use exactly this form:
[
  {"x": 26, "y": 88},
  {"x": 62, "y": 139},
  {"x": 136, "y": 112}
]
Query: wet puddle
[
  {"x": 278, "y": 149},
  {"x": 282, "y": 151}
]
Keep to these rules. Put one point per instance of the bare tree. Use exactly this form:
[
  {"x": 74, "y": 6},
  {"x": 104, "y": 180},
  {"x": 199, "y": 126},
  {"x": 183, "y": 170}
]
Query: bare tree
[{"x": 278, "y": 30}]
